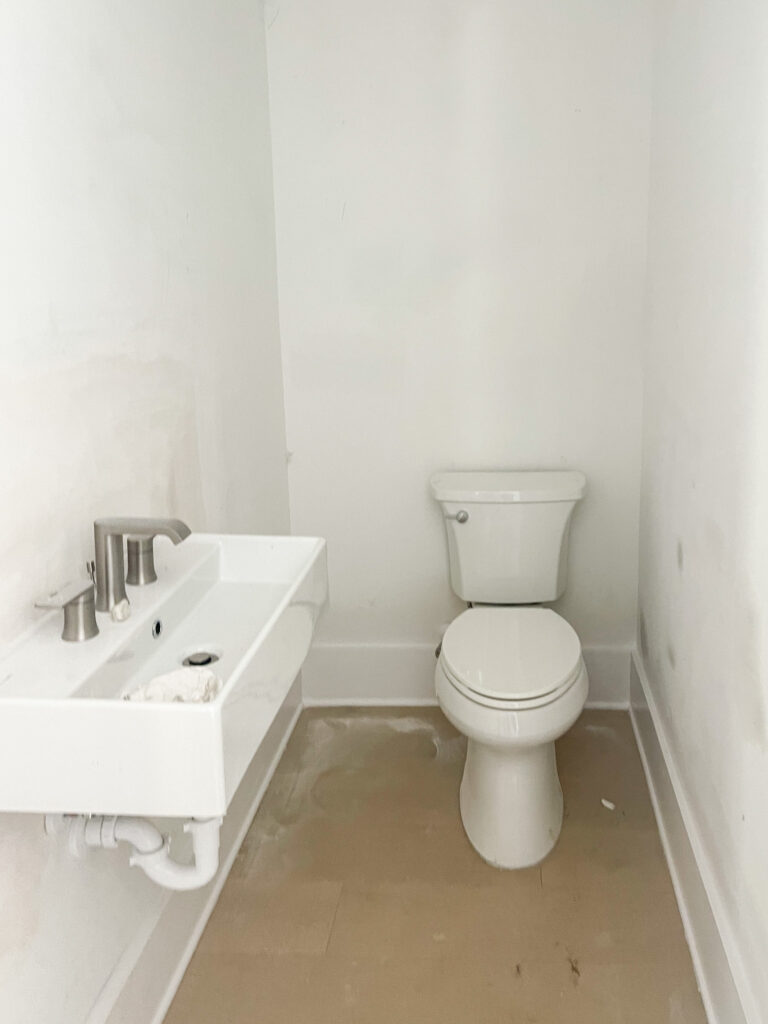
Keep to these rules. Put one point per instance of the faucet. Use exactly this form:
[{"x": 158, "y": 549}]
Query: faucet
[
  {"x": 108, "y": 540},
  {"x": 76, "y": 601}
]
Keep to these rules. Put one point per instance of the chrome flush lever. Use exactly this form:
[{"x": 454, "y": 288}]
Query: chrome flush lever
[{"x": 461, "y": 516}]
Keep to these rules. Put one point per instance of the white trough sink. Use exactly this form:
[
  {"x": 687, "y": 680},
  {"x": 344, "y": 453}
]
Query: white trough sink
[{"x": 70, "y": 743}]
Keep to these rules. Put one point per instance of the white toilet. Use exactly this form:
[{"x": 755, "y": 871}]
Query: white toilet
[{"x": 510, "y": 675}]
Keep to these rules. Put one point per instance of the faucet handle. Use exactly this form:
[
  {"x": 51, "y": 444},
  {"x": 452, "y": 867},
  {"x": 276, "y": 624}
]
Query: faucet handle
[
  {"x": 140, "y": 540},
  {"x": 141, "y": 560},
  {"x": 78, "y": 602}
]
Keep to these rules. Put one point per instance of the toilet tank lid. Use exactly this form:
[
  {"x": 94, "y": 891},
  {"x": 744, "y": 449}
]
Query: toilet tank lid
[{"x": 509, "y": 485}]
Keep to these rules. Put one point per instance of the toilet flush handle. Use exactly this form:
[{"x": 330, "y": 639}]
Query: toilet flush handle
[{"x": 461, "y": 516}]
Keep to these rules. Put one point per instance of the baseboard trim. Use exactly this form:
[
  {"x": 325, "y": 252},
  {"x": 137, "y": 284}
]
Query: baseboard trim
[
  {"x": 608, "y": 670},
  {"x": 401, "y": 675},
  {"x": 369, "y": 702},
  {"x": 181, "y": 924},
  {"x": 369, "y": 674},
  {"x": 710, "y": 959}
]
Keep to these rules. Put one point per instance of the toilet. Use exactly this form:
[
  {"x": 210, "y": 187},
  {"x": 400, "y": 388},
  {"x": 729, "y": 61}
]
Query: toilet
[{"x": 510, "y": 674}]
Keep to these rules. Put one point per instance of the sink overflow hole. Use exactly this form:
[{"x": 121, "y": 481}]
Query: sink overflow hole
[
  {"x": 157, "y": 628},
  {"x": 200, "y": 658}
]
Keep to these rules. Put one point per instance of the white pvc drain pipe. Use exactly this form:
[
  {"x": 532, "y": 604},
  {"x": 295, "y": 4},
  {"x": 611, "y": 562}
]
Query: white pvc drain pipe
[{"x": 151, "y": 849}]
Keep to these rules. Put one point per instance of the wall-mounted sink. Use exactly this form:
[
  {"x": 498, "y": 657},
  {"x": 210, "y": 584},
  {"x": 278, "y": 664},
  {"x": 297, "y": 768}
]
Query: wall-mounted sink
[{"x": 70, "y": 743}]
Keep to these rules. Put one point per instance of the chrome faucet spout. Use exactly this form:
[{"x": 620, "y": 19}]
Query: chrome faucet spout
[{"x": 108, "y": 542}]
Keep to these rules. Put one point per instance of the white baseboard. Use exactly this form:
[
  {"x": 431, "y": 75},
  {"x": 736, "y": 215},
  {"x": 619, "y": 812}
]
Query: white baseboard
[
  {"x": 404, "y": 674},
  {"x": 672, "y": 808},
  {"x": 152, "y": 984},
  {"x": 608, "y": 670},
  {"x": 369, "y": 674}
]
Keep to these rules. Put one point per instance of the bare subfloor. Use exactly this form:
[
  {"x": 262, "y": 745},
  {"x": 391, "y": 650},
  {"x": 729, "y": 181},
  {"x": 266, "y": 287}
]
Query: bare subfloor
[{"x": 356, "y": 897}]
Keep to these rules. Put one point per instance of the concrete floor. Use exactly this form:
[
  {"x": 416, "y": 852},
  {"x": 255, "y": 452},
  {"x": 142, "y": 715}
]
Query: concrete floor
[{"x": 356, "y": 896}]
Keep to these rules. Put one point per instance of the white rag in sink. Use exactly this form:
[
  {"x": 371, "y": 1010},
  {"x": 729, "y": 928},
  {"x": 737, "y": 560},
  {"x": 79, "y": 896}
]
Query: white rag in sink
[{"x": 191, "y": 685}]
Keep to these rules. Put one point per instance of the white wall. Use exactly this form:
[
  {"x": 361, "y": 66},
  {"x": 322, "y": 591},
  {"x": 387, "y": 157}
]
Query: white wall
[
  {"x": 461, "y": 201},
  {"x": 138, "y": 326},
  {"x": 139, "y": 370},
  {"x": 703, "y": 556}
]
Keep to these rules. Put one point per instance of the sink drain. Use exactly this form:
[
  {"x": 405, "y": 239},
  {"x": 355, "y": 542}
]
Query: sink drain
[{"x": 200, "y": 658}]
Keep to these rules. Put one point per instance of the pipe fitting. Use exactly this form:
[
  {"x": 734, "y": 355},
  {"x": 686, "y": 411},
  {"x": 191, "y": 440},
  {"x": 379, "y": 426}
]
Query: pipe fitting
[{"x": 151, "y": 850}]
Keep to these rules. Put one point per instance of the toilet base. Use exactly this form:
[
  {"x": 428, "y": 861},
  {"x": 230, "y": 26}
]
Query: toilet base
[{"x": 511, "y": 802}]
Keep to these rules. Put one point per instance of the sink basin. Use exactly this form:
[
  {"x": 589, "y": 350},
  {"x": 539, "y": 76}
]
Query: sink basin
[{"x": 71, "y": 743}]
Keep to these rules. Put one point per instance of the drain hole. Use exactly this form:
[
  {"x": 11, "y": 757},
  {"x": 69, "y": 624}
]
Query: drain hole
[{"x": 200, "y": 658}]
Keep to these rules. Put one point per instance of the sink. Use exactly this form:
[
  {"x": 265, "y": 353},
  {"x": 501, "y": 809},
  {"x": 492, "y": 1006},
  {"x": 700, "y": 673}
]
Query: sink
[{"x": 71, "y": 743}]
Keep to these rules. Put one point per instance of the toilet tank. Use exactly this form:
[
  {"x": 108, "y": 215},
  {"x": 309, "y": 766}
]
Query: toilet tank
[{"x": 508, "y": 532}]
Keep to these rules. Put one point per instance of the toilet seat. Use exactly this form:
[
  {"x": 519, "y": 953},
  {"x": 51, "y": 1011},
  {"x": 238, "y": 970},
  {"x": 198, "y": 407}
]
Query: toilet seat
[
  {"x": 511, "y": 657},
  {"x": 510, "y": 705}
]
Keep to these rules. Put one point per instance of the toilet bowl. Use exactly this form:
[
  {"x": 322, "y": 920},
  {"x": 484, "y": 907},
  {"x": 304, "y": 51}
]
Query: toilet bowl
[{"x": 512, "y": 680}]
